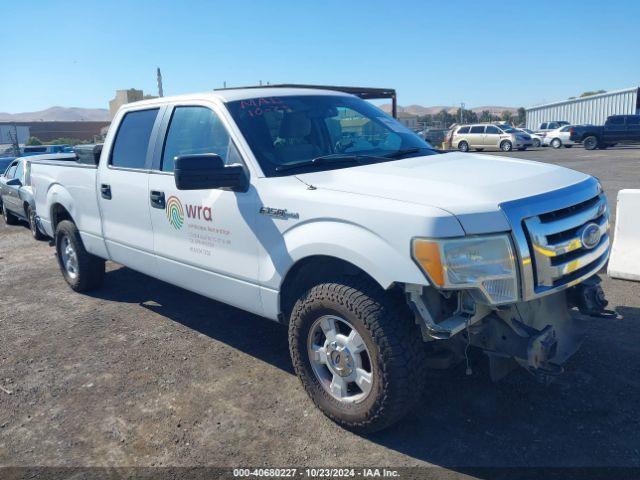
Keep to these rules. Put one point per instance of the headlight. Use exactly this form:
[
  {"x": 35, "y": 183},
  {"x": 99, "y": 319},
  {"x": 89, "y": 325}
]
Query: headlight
[{"x": 485, "y": 263}]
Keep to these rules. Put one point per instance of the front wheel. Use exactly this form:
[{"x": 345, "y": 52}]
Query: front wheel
[
  {"x": 357, "y": 352},
  {"x": 33, "y": 224},
  {"x": 506, "y": 146},
  {"x": 82, "y": 271},
  {"x": 536, "y": 143},
  {"x": 590, "y": 143}
]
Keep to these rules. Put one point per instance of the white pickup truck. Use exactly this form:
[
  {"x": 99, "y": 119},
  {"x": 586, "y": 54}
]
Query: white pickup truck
[{"x": 315, "y": 209}]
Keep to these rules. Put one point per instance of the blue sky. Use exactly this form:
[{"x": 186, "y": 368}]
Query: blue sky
[{"x": 77, "y": 53}]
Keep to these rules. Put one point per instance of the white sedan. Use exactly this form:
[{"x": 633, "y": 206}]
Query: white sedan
[
  {"x": 535, "y": 138},
  {"x": 559, "y": 137}
]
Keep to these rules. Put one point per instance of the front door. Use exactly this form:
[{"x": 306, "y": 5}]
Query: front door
[
  {"x": 204, "y": 240},
  {"x": 123, "y": 196}
]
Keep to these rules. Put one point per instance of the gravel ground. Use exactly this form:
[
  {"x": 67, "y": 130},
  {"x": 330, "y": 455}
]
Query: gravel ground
[{"x": 141, "y": 373}]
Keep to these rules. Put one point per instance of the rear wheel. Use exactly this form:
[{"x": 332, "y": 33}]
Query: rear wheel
[
  {"x": 590, "y": 143},
  {"x": 463, "y": 146},
  {"x": 536, "y": 143},
  {"x": 9, "y": 218},
  {"x": 81, "y": 270},
  {"x": 556, "y": 143},
  {"x": 33, "y": 224},
  {"x": 506, "y": 146},
  {"x": 357, "y": 352}
]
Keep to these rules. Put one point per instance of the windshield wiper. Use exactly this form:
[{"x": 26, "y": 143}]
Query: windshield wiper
[
  {"x": 326, "y": 159},
  {"x": 405, "y": 151}
]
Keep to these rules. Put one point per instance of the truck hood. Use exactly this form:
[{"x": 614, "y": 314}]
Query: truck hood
[{"x": 470, "y": 186}]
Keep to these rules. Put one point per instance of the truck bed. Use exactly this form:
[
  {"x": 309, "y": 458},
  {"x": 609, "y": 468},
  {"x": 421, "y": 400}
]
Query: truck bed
[{"x": 69, "y": 184}]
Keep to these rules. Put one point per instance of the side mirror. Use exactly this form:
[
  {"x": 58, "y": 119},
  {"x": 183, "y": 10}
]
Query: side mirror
[
  {"x": 88, "y": 154},
  {"x": 14, "y": 182},
  {"x": 206, "y": 171}
]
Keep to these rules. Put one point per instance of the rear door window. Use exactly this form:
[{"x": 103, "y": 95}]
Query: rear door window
[
  {"x": 543, "y": 126},
  {"x": 132, "y": 140},
  {"x": 477, "y": 129}
]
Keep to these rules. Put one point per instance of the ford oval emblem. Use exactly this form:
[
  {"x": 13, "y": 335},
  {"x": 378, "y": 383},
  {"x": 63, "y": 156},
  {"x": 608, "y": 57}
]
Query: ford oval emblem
[{"x": 590, "y": 237}]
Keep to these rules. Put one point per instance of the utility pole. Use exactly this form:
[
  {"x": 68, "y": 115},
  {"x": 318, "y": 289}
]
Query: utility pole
[
  {"x": 159, "y": 76},
  {"x": 462, "y": 105}
]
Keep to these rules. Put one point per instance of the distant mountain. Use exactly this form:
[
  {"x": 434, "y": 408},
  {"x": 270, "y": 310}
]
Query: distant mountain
[
  {"x": 420, "y": 110},
  {"x": 59, "y": 114}
]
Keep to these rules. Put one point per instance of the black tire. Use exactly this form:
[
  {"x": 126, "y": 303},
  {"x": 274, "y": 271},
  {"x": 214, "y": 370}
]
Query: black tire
[
  {"x": 591, "y": 142},
  {"x": 89, "y": 269},
  {"x": 393, "y": 340},
  {"x": 568, "y": 146},
  {"x": 506, "y": 146},
  {"x": 9, "y": 218},
  {"x": 536, "y": 143},
  {"x": 463, "y": 146},
  {"x": 33, "y": 225},
  {"x": 556, "y": 143},
  {"x": 479, "y": 149}
]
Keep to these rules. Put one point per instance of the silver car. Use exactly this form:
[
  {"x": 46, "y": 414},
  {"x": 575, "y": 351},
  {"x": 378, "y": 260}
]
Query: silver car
[{"x": 486, "y": 136}]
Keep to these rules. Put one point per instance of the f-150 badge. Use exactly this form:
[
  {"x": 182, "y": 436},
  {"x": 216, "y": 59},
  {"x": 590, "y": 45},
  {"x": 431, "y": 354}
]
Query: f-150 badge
[{"x": 278, "y": 212}]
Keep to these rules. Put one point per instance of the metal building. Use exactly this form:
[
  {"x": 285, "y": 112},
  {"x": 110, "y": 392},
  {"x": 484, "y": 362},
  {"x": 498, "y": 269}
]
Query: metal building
[{"x": 587, "y": 110}]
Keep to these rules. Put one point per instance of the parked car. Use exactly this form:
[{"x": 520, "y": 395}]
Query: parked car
[
  {"x": 363, "y": 248},
  {"x": 16, "y": 193},
  {"x": 535, "y": 138},
  {"x": 483, "y": 136},
  {"x": 617, "y": 129},
  {"x": 546, "y": 127},
  {"x": 560, "y": 137},
  {"x": 44, "y": 149}
]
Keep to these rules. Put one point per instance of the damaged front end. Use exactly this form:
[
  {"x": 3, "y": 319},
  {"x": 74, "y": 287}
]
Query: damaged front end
[{"x": 539, "y": 335}]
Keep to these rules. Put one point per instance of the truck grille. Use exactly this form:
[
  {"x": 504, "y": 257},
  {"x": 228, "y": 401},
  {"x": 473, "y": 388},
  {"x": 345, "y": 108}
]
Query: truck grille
[{"x": 569, "y": 242}]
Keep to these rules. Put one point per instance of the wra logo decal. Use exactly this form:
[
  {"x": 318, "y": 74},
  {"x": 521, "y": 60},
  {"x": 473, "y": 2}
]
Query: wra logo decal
[{"x": 175, "y": 212}]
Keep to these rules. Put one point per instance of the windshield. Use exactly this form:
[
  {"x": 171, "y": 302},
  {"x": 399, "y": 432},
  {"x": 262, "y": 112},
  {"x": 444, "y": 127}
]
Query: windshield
[{"x": 286, "y": 134}]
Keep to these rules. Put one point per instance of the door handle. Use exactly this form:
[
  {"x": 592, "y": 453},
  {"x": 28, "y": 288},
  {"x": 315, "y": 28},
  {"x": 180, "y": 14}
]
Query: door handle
[
  {"x": 157, "y": 199},
  {"x": 105, "y": 191}
]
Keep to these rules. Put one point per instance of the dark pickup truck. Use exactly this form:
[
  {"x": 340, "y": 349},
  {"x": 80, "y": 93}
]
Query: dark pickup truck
[{"x": 617, "y": 129}]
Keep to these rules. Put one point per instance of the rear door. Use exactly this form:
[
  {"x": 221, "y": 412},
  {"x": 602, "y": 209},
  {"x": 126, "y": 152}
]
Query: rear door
[
  {"x": 123, "y": 190},
  {"x": 614, "y": 129},
  {"x": 204, "y": 240},
  {"x": 476, "y": 136}
]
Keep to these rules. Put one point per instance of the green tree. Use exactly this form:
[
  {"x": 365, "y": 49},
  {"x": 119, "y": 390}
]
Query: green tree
[
  {"x": 66, "y": 141},
  {"x": 485, "y": 116},
  {"x": 33, "y": 141},
  {"x": 506, "y": 116},
  {"x": 522, "y": 116},
  {"x": 590, "y": 93}
]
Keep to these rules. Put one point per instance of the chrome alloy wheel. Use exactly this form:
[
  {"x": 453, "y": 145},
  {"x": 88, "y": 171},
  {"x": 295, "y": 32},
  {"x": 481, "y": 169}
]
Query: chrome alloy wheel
[
  {"x": 69, "y": 257},
  {"x": 340, "y": 359}
]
